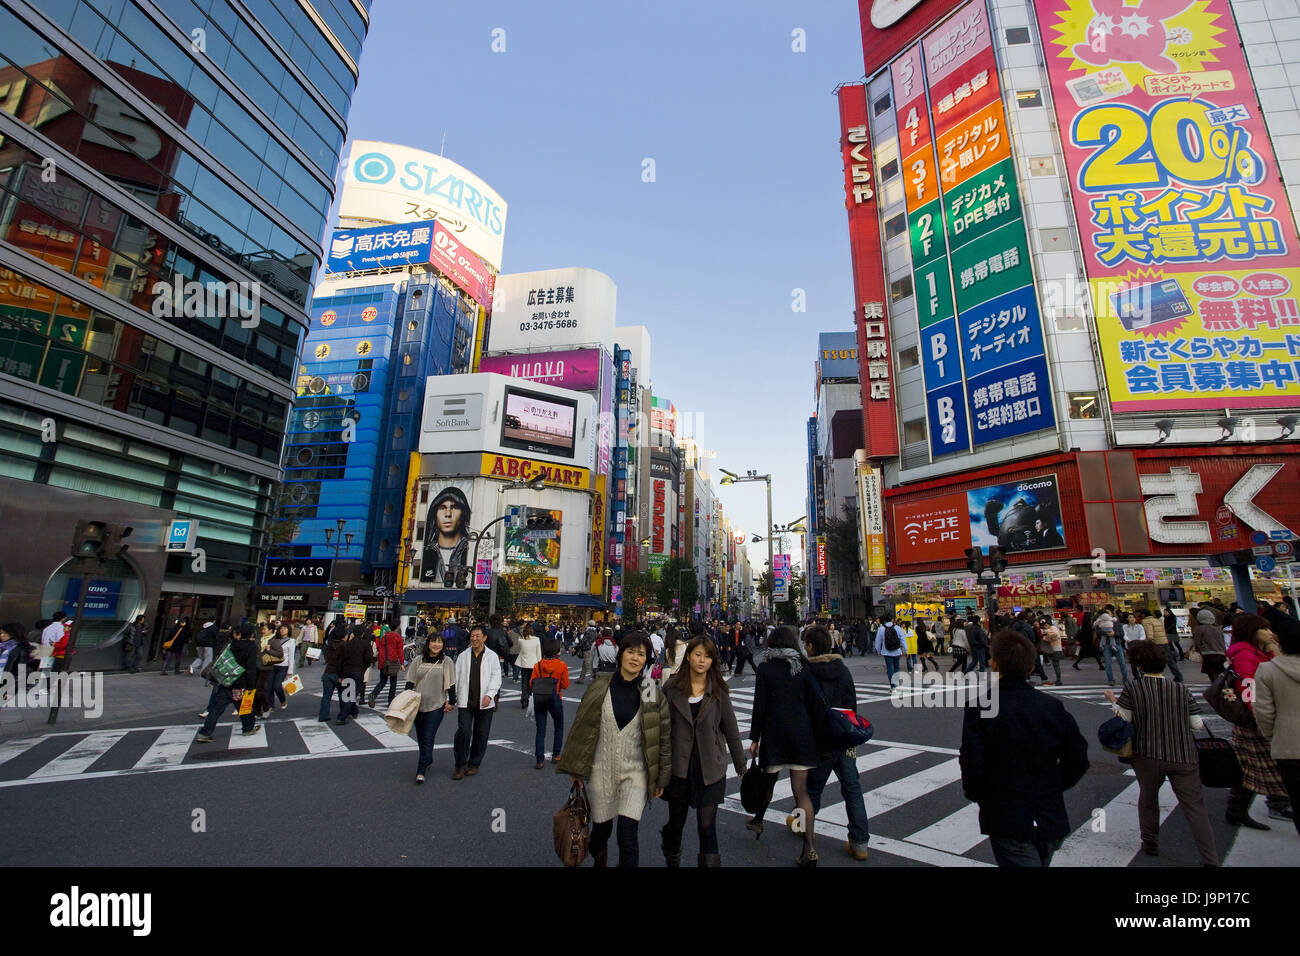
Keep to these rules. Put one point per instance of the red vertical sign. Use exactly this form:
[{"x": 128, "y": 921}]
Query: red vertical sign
[{"x": 875, "y": 375}]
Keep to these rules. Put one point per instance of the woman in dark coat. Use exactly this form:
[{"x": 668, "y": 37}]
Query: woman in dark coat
[
  {"x": 781, "y": 727},
  {"x": 1087, "y": 643}
]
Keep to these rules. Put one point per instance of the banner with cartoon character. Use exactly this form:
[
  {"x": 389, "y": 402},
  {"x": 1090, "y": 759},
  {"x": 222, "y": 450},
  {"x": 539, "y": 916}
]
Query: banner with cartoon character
[{"x": 1189, "y": 241}]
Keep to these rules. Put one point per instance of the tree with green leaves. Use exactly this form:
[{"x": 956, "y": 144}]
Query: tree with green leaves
[
  {"x": 787, "y": 612},
  {"x": 639, "y": 592},
  {"x": 677, "y": 579}
]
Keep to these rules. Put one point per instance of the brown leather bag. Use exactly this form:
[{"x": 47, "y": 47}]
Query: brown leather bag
[{"x": 573, "y": 826}]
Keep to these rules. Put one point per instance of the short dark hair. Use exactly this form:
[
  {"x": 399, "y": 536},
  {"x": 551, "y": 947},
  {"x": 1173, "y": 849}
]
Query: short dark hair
[
  {"x": 1013, "y": 654},
  {"x": 783, "y": 636},
  {"x": 1288, "y": 636},
  {"x": 495, "y": 620},
  {"x": 634, "y": 639},
  {"x": 818, "y": 638},
  {"x": 696, "y": 628},
  {"x": 479, "y": 628},
  {"x": 550, "y": 647},
  {"x": 1146, "y": 656}
]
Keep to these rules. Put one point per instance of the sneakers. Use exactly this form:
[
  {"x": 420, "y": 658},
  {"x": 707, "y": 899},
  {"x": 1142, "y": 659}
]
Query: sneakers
[
  {"x": 856, "y": 850},
  {"x": 204, "y": 715},
  {"x": 248, "y": 733},
  {"x": 203, "y": 739},
  {"x": 419, "y": 778}
]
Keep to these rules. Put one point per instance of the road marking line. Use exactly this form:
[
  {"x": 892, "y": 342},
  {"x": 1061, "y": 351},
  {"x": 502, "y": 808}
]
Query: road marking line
[
  {"x": 13, "y": 748},
  {"x": 168, "y": 750},
  {"x": 956, "y": 833},
  {"x": 252, "y": 742},
  {"x": 375, "y": 725},
  {"x": 81, "y": 756},
  {"x": 1119, "y": 842},
  {"x": 318, "y": 737},
  {"x": 900, "y": 792}
]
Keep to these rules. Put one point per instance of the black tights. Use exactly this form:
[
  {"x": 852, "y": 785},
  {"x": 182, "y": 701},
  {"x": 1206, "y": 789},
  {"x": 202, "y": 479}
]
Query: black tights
[
  {"x": 706, "y": 826},
  {"x": 628, "y": 852},
  {"x": 803, "y": 802}
]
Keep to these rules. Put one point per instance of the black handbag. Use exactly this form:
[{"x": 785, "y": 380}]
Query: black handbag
[
  {"x": 756, "y": 788},
  {"x": 1224, "y": 695},
  {"x": 1218, "y": 762}
]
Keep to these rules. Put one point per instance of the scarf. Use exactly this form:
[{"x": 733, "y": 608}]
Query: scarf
[{"x": 787, "y": 654}]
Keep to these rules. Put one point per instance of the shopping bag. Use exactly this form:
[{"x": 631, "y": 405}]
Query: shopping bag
[
  {"x": 246, "y": 703},
  {"x": 313, "y": 653},
  {"x": 1218, "y": 762},
  {"x": 572, "y": 826},
  {"x": 226, "y": 669},
  {"x": 293, "y": 684},
  {"x": 756, "y": 787}
]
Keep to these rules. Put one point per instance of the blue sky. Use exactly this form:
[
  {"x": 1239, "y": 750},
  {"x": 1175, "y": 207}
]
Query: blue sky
[{"x": 747, "y": 204}]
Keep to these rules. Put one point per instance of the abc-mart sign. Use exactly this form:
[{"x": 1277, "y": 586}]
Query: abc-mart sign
[{"x": 397, "y": 184}]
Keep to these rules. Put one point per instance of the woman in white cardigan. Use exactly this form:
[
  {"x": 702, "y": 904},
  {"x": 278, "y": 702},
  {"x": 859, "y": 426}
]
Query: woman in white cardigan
[{"x": 530, "y": 653}]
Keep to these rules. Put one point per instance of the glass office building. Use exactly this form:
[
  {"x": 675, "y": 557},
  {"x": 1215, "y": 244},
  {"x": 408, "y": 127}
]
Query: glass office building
[{"x": 153, "y": 155}]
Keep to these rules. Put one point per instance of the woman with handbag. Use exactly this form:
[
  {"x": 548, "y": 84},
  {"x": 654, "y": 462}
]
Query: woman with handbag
[
  {"x": 1277, "y": 708},
  {"x": 781, "y": 727},
  {"x": 433, "y": 675},
  {"x": 389, "y": 657},
  {"x": 924, "y": 648},
  {"x": 1253, "y": 644},
  {"x": 960, "y": 647},
  {"x": 1164, "y": 716},
  {"x": 1052, "y": 646},
  {"x": 269, "y": 655},
  {"x": 620, "y": 746},
  {"x": 1087, "y": 638},
  {"x": 704, "y": 729},
  {"x": 549, "y": 679},
  {"x": 530, "y": 653},
  {"x": 281, "y": 670}
]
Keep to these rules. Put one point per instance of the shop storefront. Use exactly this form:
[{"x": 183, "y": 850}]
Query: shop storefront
[{"x": 1143, "y": 528}]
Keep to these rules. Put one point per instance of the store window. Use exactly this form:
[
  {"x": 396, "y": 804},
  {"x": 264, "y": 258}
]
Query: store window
[
  {"x": 895, "y": 227},
  {"x": 914, "y": 432},
  {"x": 908, "y": 357},
  {"x": 900, "y": 289},
  {"x": 1084, "y": 405},
  {"x": 881, "y": 105}
]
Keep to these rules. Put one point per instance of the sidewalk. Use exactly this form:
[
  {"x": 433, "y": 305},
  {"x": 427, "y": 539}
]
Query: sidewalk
[{"x": 126, "y": 698}]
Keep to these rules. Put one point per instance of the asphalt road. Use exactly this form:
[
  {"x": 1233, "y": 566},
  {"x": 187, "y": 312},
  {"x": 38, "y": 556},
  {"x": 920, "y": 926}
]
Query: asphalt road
[{"x": 315, "y": 794}]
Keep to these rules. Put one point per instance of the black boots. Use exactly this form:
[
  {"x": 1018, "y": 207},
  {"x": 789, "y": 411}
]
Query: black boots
[
  {"x": 672, "y": 854},
  {"x": 601, "y": 858},
  {"x": 1239, "y": 801}
]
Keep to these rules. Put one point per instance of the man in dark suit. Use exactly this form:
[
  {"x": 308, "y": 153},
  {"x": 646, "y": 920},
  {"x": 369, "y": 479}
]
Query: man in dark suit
[{"x": 1019, "y": 758}]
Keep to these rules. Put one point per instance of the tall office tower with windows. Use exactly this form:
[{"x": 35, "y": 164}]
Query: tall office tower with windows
[{"x": 166, "y": 171}]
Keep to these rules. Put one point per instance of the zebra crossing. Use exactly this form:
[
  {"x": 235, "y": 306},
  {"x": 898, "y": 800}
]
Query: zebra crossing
[{"x": 926, "y": 780}]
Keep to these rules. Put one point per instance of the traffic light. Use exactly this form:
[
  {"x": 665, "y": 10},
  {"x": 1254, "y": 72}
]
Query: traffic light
[
  {"x": 99, "y": 539},
  {"x": 541, "y": 522},
  {"x": 113, "y": 546},
  {"x": 89, "y": 538},
  {"x": 975, "y": 561},
  {"x": 997, "y": 560},
  {"x": 462, "y": 576}
]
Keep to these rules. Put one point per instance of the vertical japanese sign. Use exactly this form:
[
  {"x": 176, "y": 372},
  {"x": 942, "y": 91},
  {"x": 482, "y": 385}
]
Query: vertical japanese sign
[
  {"x": 936, "y": 314},
  {"x": 1001, "y": 334},
  {"x": 879, "y": 420},
  {"x": 873, "y": 519},
  {"x": 1189, "y": 242}
]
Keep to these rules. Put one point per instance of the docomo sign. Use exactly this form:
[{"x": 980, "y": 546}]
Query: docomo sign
[
  {"x": 933, "y": 529},
  {"x": 394, "y": 183}
]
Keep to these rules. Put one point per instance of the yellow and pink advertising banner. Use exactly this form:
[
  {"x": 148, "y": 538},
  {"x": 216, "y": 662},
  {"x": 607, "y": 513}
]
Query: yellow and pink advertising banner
[{"x": 1189, "y": 242}]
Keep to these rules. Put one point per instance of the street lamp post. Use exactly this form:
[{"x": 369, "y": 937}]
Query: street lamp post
[
  {"x": 732, "y": 478},
  {"x": 337, "y": 537}
]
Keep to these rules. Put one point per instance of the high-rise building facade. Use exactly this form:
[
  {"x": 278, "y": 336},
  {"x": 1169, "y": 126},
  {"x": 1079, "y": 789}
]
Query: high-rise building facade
[
  {"x": 167, "y": 169},
  {"x": 1075, "y": 257}
]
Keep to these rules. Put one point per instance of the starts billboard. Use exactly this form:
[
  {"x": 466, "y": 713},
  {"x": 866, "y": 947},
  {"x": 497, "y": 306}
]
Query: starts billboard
[
  {"x": 398, "y": 184},
  {"x": 1189, "y": 242}
]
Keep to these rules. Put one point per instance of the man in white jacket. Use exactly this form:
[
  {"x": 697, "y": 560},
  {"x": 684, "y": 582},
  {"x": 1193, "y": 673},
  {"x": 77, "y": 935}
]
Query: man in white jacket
[{"x": 478, "y": 681}]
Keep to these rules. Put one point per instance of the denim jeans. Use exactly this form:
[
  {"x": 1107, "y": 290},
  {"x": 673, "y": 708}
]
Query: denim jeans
[
  {"x": 1036, "y": 853},
  {"x": 891, "y": 667},
  {"x": 979, "y": 660},
  {"x": 223, "y": 698},
  {"x": 846, "y": 769},
  {"x": 128, "y": 658},
  {"x": 426, "y": 729},
  {"x": 473, "y": 727},
  {"x": 328, "y": 683},
  {"x": 556, "y": 709},
  {"x": 350, "y": 695},
  {"x": 379, "y": 686},
  {"x": 1113, "y": 647},
  {"x": 276, "y": 688},
  {"x": 1172, "y": 662},
  {"x": 202, "y": 661}
]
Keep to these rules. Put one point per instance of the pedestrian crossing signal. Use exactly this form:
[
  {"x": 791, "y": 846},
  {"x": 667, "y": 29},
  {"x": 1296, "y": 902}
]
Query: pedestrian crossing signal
[
  {"x": 974, "y": 561},
  {"x": 997, "y": 560},
  {"x": 541, "y": 522}
]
